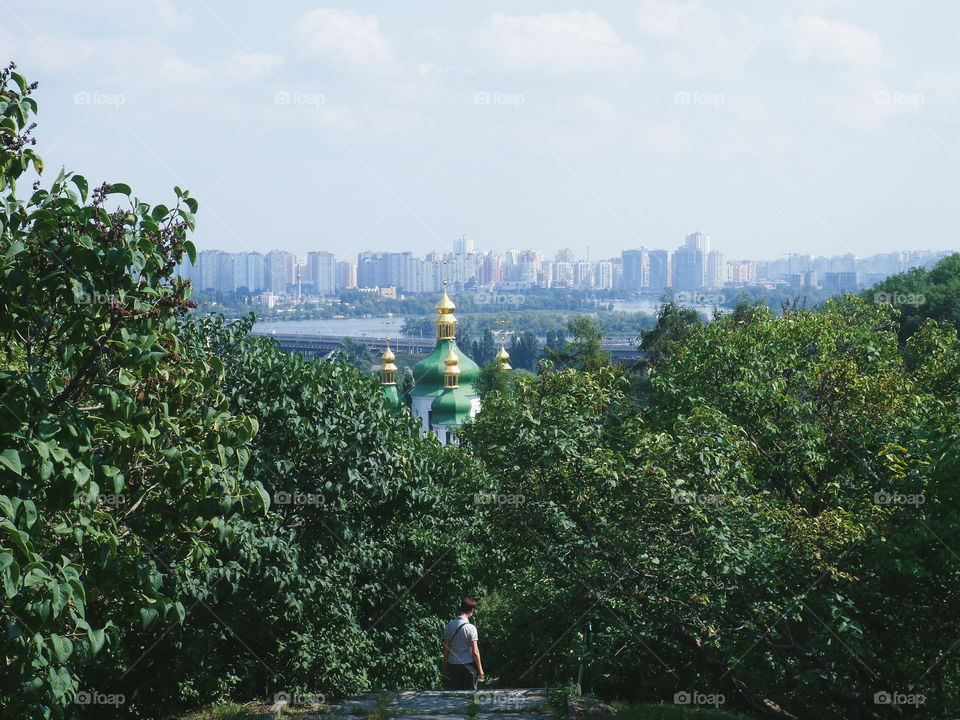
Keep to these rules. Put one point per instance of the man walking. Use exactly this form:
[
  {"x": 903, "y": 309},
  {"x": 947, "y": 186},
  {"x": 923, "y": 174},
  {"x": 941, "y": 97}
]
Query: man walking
[{"x": 461, "y": 656}]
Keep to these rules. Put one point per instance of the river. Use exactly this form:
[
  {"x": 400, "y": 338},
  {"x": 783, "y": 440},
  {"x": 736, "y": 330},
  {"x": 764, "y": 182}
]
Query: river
[
  {"x": 375, "y": 327},
  {"x": 379, "y": 327}
]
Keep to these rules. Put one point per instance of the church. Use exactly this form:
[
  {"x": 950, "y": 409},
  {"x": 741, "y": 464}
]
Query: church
[{"x": 444, "y": 395}]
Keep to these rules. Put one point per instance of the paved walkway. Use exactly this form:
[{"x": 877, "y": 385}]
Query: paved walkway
[{"x": 453, "y": 705}]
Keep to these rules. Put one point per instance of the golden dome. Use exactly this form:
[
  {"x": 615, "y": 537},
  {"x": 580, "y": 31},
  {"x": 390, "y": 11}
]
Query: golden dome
[
  {"x": 451, "y": 373},
  {"x": 452, "y": 361},
  {"x": 445, "y": 306},
  {"x": 388, "y": 373},
  {"x": 503, "y": 358},
  {"x": 388, "y": 357}
]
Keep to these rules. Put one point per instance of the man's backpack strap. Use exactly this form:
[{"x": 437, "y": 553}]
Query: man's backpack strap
[{"x": 462, "y": 625}]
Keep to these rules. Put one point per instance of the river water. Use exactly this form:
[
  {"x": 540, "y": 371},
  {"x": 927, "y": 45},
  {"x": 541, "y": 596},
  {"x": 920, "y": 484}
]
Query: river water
[
  {"x": 376, "y": 327},
  {"x": 379, "y": 327}
]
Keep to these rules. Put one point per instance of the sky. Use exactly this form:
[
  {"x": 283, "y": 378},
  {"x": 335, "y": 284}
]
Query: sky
[{"x": 820, "y": 126}]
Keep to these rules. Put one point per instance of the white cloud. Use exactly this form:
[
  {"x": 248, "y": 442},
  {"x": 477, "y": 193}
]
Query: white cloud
[
  {"x": 944, "y": 86},
  {"x": 563, "y": 42},
  {"x": 666, "y": 19},
  {"x": 698, "y": 40},
  {"x": 243, "y": 66},
  {"x": 343, "y": 37},
  {"x": 814, "y": 39},
  {"x": 152, "y": 15},
  {"x": 116, "y": 62}
]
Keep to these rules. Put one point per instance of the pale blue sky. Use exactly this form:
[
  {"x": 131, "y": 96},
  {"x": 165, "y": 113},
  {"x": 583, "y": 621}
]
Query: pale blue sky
[{"x": 824, "y": 126}]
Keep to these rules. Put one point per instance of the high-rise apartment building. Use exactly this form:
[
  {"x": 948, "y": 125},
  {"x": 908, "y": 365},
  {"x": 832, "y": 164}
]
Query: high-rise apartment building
[
  {"x": 659, "y": 270},
  {"x": 635, "y": 269},
  {"x": 248, "y": 271},
  {"x": 716, "y": 270},
  {"x": 689, "y": 268},
  {"x": 838, "y": 282},
  {"x": 346, "y": 275},
  {"x": 604, "y": 277},
  {"x": 278, "y": 271},
  {"x": 463, "y": 246},
  {"x": 698, "y": 241},
  {"x": 225, "y": 272},
  {"x": 207, "y": 265},
  {"x": 321, "y": 273}
]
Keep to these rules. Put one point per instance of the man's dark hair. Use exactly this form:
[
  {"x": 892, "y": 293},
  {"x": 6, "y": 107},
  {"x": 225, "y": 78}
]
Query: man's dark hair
[{"x": 468, "y": 605}]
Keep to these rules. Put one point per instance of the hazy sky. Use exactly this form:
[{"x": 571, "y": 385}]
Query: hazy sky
[{"x": 825, "y": 126}]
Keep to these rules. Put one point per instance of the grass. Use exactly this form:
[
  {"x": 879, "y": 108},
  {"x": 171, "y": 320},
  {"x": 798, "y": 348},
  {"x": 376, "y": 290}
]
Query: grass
[
  {"x": 472, "y": 709},
  {"x": 227, "y": 711},
  {"x": 649, "y": 711},
  {"x": 382, "y": 710}
]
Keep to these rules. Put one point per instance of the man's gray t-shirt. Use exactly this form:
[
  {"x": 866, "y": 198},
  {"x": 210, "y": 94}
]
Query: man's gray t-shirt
[{"x": 460, "y": 652}]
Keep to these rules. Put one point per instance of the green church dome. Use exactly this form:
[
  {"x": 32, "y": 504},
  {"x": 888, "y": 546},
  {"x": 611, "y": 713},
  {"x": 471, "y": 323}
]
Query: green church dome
[
  {"x": 428, "y": 373},
  {"x": 451, "y": 407},
  {"x": 391, "y": 395}
]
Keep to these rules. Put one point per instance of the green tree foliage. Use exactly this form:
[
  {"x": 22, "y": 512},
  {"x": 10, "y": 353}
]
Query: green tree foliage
[
  {"x": 366, "y": 520},
  {"x": 583, "y": 352},
  {"x": 482, "y": 351},
  {"x": 920, "y": 294},
  {"x": 777, "y": 525},
  {"x": 675, "y": 323},
  {"x": 356, "y": 353},
  {"x": 494, "y": 379},
  {"x": 186, "y": 513},
  {"x": 120, "y": 458},
  {"x": 524, "y": 350}
]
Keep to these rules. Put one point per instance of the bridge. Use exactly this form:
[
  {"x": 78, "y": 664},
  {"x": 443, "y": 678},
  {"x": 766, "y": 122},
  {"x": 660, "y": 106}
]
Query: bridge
[{"x": 621, "y": 349}]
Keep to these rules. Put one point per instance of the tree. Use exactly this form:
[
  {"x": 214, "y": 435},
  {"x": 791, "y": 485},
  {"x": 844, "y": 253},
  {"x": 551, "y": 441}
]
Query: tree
[
  {"x": 920, "y": 294},
  {"x": 771, "y": 514},
  {"x": 356, "y": 353},
  {"x": 585, "y": 351},
  {"x": 117, "y": 451},
  {"x": 524, "y": 350},
  {"x": 675, "y": 323}
]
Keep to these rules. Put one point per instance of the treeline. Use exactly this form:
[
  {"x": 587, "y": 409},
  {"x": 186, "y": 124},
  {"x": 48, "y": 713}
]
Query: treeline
[
  {"x": 354, "y": 303},
  {"x": 767, "y": 510}
]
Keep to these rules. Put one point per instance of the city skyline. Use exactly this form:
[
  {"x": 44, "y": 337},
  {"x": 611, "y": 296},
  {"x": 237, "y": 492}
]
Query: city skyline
[
  {"x": 829, "y": 126},
  {"x": 694, "y": 265}
]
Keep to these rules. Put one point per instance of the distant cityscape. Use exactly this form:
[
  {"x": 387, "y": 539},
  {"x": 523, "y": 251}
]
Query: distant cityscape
[{"x": 694, "y": 266}]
